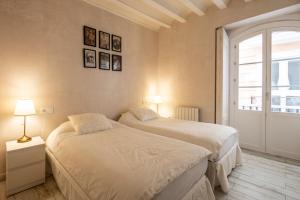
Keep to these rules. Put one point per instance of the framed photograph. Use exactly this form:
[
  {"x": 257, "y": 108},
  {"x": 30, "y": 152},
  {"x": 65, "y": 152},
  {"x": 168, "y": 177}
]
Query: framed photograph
[
  {"x": 104, "y": 62},
  {"x": 104, "y": 40},
  {"x": 89, "y": 36},
  {"x": 89, "y": 58},
  {"x": 116, "y": 63},
  {"x": 116, "y": 42}
]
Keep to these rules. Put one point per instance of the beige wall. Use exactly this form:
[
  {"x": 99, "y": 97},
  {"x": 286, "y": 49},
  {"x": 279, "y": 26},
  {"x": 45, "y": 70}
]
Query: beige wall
[
  {"x": 41, "y": 46},
  {"x": 41, "y": 58},
  {"x": 187, "y": 54}
]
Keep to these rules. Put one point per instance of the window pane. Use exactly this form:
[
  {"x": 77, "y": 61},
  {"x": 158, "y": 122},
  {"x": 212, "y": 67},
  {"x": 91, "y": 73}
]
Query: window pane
[
  {"x": 250, "y": 99},
  {"x": 275, "y": 74},
  {"x": 250, "y": 74},
  {"x": 286, "y": 71},
  {"x": 285, "y": 45},
  {"x": 250, "y": 50},
  {"x": 294, "y": 74}
]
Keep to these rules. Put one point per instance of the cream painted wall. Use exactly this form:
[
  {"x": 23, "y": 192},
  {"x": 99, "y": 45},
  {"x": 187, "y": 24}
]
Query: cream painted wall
[
  {"x": 41, "y": 58},
  {"x": 186, "y": 58},
  {"x": 41, "y": 46}
]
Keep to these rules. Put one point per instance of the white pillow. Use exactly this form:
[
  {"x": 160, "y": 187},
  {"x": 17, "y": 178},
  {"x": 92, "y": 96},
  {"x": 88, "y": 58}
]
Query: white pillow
[
  {"x": 65, "y": 127},
  {"x": 143, "y": 114},
  {"x": 89, "y": 123}
]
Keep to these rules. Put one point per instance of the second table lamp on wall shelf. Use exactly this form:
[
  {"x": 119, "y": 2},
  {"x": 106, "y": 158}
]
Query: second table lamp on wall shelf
[{"x": 24, "y": 107}]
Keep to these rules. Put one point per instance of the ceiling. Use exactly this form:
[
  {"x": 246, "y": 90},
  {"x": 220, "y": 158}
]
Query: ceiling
[{"x": 156, "y": 14}]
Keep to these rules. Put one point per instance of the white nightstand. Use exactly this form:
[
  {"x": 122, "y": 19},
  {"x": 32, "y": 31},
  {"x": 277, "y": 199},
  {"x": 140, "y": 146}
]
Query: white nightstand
[{"x": 25, "y": 165}]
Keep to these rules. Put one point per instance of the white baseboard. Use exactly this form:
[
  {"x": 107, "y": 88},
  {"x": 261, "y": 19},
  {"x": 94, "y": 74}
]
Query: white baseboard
[
  {"x": 252, "y": 147},
  {"x": 283, "y": 153},
  {"x": 2, "y": 176}
]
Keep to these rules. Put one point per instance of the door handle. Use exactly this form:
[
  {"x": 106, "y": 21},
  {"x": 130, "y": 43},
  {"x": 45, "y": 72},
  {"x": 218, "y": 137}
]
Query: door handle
[{"x": 267, "y": 95}]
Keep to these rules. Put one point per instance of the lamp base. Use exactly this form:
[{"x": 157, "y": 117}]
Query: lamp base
[{"x": 23, "y": 139}]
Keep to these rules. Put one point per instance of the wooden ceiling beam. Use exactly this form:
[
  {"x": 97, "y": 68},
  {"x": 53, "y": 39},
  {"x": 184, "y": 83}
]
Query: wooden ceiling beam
[
  {"x": 167, "y": 11},
  {"x": 121, "y": 9},
  {"x": 190, "y": 4},
  {"x": 221, "y": 4},
  {"x": 140, "y": 14}
]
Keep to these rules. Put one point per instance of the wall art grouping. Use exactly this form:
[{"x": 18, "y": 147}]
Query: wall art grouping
[{"x": 107, "y": 42}]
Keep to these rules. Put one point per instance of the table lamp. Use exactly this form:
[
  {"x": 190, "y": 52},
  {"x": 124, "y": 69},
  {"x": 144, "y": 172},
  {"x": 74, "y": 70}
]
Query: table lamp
[
  {"x": 24, "y": 107},
  {"x": 156, "y": 100}
]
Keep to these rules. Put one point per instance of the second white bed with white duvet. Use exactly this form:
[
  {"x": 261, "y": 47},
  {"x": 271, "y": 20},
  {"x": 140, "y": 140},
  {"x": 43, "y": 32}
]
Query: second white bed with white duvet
[{"x": 221, "y": 140}]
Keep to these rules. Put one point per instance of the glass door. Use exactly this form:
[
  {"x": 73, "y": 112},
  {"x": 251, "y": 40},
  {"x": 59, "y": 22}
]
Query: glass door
[
  {"x": 283, "y": 116},
  {"x": 249, "y": 81},
  {"x": 266, "y": 88}
]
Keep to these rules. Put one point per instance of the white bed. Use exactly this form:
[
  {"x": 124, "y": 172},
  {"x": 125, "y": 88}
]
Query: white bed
[
  {"x": 125, "y": 163},
  {"x": 221, "y": 140}
]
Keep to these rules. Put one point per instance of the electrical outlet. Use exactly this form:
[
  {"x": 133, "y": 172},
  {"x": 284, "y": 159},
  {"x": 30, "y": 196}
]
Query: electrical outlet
[{"x": 47, "y": 110}]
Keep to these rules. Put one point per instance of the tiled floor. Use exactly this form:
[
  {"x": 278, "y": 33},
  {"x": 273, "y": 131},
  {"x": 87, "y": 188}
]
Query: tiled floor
[{"x": 261, "y": 177}]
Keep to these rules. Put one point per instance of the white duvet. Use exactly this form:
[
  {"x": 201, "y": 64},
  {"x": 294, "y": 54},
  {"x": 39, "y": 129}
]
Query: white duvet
[
  {"x": 216, "y": 138},
  {"x": 123, "y": 163}
]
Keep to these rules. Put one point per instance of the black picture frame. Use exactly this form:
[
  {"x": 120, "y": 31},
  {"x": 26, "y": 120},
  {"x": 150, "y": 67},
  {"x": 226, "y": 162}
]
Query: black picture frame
[
  {"x": 102, "y": 44},
  {"x": 116, "y": 63},
  {"x": 89, "y": 36},
  {"x": 101, "y": 60},
  {"x": 86, "y": 62},
  {"x": 116, "y": 43}
]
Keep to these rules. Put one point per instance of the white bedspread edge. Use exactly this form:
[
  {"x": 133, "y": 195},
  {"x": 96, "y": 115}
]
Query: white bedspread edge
[
  {"x": 66, "y": 184},
  {"x": 218, "y": 171}
]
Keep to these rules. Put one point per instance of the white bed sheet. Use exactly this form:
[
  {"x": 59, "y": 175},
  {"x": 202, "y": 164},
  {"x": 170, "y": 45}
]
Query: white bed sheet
[
  {"x": 100, "y": 174},
  {"x": 216, "y": 138}
]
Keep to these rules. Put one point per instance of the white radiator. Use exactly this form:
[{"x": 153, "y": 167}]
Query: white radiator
[{"x": 187, "y": 113}]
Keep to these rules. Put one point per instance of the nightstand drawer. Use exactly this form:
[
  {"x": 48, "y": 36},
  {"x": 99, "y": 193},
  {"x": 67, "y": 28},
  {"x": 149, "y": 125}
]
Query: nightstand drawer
[
  {"x": 25, "y": 157},
  {"x": 23, "y": 178}
]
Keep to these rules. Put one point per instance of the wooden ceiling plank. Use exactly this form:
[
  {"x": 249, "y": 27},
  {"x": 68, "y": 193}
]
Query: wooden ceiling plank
[
  {"x": 193, "y": 7},
  {"x": 167, "y": 11}
]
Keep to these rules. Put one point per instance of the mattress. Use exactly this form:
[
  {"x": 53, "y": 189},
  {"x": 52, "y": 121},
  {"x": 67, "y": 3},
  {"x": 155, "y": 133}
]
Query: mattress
[
  {"x": 152, "y": 167},
  {"x": 180, "y": 186},
  {"x": 218, "y": 139}
]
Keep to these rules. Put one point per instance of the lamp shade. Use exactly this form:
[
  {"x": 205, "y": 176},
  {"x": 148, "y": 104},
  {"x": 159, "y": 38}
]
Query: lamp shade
[
  {"x": 24, "y": 107},
  {"x": 155, "y": 99}
]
